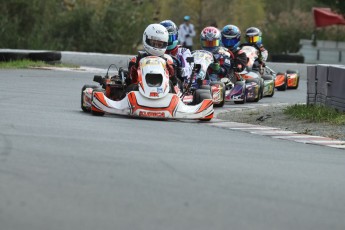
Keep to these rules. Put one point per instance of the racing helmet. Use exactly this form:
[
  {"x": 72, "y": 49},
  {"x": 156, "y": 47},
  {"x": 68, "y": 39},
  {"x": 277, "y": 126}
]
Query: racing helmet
[
  {"x": 173, "y": 33},
  {"x": 210, "y": 39},
  {"x": 231, "y": 36},
  {"x": 253, "y": 36},
  {"x": 155, "y": 39}
]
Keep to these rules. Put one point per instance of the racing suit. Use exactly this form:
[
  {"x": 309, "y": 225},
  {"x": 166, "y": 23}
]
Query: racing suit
[
  {"x": 134, "y": 64},
  {"x": 263, "y": 54},
  {"x": 181, "y": 54},
  {"x": 222, "y": 63},
  {"x": 228, "y": 62},
  {"x": 239, "y": 58},
  {"x": 132, "y": 80}
]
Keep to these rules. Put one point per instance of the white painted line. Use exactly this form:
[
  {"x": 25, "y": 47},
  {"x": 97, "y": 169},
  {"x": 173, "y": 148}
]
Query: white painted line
[
  {"x": 330, "y": 141},
  {"x": 274, "y": 132},
  {"x": 253, "y": 128},
  {"x": 337, "y": 146},
  {"x": 297, "y": 137}
]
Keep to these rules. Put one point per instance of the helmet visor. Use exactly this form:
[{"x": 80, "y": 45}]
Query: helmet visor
[
  {"x": 210, "y": 44},
  {"x": 229, "y": 42},
  {"x": 253, "y": 39},
  {"x": 172, "y": 38},
  {"x": 154, "y": 80},
  {"x": 156, "y": 43}
]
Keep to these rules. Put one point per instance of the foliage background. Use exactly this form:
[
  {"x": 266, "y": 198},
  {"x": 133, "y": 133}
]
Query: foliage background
[{"x": 116, "y": 26}]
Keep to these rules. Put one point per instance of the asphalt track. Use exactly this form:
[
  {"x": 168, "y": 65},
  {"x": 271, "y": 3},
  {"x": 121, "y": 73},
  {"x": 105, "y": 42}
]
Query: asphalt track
[{"x": 64, "y": 169}]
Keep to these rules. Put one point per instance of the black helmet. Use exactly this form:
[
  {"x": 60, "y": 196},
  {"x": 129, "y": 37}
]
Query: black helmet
[{"x": 253, "y": 36}]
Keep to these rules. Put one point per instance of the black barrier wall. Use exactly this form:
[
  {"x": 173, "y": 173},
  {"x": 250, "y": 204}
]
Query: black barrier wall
[{"x": 326, "y": 86}]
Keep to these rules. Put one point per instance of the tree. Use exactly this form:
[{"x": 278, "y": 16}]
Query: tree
[{"x": 336, "y": 5}]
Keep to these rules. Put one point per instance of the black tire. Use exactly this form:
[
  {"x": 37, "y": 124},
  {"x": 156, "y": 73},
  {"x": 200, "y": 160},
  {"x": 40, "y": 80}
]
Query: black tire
[
  {"x": 282, "y": 87},
  {"x": 208, "y": 87},
  {"x": 262, "y": 88},
  {"x": 13, "y": 56},
  {"x": 289, "y": 71},
  {"x": 82, "y": 95},
  {"x": 95, "y": 113},
  {"x": 200, "y": 95},
  {"x": 46, "y": 56},
  {"x": 267, "y": 77}
]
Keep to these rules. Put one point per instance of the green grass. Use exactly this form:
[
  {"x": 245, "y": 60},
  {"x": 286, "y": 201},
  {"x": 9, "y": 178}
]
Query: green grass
[
  {"x": 24, "y": 64},
  {"x": 315, "y": 113}
]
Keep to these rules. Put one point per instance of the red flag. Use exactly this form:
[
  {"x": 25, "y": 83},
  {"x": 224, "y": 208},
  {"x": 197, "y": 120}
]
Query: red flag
[{"x": 325, "y": 17}]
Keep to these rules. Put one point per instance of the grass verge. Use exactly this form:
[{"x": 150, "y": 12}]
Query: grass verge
[
  {"x": 24, "y": 64},
  {"x": 315, "y": 113}
]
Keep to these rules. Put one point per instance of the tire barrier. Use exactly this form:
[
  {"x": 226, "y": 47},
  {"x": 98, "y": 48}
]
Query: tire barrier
[
  {"x": 14, "y": 55},
  {"x": 325, "y": 86}
]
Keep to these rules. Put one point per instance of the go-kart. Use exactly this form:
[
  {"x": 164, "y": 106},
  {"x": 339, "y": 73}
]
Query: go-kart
[
  {"x": 152, "y": 97},
  {"x": 288, "y": 80},
  {"x": 259, "y": 81},
  {"x": 222, "y": 89},
  {"x": 201, "y": 79}
]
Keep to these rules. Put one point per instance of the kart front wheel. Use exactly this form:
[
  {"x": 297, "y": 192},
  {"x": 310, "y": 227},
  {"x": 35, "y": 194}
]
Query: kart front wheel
[
  {"x": 200, "y": 95},
  {"x": 94, "y": 110}
]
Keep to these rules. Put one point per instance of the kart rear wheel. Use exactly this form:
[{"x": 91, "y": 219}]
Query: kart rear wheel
[
  {"x": 82, "y": 96},
  {"x": 262, "y": 88}
]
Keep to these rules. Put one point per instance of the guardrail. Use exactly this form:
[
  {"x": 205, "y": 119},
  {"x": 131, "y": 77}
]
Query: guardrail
[
  {"x": 103, "y": 60},
  {"x": 326, "y": 86}
]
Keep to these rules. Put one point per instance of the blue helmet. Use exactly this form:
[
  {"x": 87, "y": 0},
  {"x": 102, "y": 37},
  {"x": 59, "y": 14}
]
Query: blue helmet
[
  {"x": 173, "y": 33},
  {"x": 231, "y": 37},
  {"x": 186, "y": 18}
]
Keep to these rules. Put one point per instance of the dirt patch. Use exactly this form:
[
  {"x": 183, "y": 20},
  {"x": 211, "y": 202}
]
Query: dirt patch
[{"x": 273, "y": 116}]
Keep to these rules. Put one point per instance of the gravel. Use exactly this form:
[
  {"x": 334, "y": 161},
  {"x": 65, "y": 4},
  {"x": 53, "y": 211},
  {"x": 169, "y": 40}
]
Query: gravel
[{"x": 273, "y": 116}]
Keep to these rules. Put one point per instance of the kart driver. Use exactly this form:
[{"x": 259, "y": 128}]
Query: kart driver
[
  {"x": 155, "y": 42},
  {"x": 231, "y": 39},
  {"x": 177, "y": 51},
  {"x": 210, "y": 38},
  {"x": 254, "y": 38}
]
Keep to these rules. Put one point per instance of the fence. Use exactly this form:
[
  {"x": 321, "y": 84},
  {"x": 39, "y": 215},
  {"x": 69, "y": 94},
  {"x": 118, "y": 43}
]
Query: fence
[
  {"x": 326, "y": 86},
  {"x": 325, "y": 52}
]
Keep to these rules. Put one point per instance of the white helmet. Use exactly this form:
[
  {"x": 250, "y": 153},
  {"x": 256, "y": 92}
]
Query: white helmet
[{"x": 155, "y": 39}]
